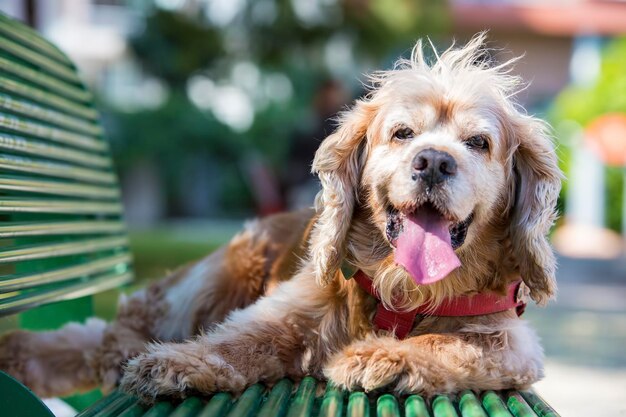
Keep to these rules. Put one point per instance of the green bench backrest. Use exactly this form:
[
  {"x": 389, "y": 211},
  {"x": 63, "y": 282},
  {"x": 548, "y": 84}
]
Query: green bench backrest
[{"x": 61, "y": 232}]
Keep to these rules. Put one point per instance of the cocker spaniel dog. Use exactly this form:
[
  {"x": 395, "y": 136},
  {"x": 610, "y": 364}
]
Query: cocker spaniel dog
[{"x": 430, "y": 228}]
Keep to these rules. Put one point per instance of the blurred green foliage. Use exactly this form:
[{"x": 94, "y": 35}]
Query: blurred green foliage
[
  {"x": 157, "y": 252},
  {"x": 583, "y": 104},
  {"x": 281, "y": 37},
  {"x": 173, "y": 46},
  {"x": 614, "y": 197}
]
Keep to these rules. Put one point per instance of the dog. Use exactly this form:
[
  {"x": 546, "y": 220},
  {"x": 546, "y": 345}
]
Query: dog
[{"x": 437, "y": 188}]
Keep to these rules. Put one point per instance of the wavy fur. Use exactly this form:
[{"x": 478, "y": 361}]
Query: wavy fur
[{"x": 272, "y": 302}]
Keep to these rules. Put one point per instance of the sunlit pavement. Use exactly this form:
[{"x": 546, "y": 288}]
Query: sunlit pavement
[
  {"x": 584, "y": 336},
  {"x": 576, "y": 391}
]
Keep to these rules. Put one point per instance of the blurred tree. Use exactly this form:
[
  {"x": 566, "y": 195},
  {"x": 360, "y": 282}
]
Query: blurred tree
[
  {"x": 220, "y": 59},
  {"x": 174, "y": 46},
  {"x": 583, "y": 104}
]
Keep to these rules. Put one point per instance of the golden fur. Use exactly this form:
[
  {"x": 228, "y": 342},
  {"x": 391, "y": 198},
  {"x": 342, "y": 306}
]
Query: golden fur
[{"x": 272, "y": 303}]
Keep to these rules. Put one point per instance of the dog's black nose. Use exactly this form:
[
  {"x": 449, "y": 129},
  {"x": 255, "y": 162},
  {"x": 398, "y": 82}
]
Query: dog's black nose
[{"x": 433, "y": 166}]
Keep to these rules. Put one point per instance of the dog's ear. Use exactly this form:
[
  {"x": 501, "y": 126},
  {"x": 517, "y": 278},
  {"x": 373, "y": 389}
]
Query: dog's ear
[
  {"x": 338, "y": 165},
  {"x": 537, "y": 181}
]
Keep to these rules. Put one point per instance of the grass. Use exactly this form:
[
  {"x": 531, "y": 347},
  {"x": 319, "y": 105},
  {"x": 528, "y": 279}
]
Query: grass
[{"x": 157, "y": 252}]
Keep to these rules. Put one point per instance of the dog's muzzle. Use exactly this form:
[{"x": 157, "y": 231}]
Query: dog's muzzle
[{"x": 433, "y": 167}]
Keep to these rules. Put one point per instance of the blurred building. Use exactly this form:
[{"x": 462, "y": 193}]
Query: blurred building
[{"x": 545, "y": 32}]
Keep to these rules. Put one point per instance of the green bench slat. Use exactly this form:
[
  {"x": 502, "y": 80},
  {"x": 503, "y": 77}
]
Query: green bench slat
[
  {"x": 15, "y": 282},
  {"x": 248, "y": 404},
  {"x": 358, "y": 405},
  {"x": 469, "y": 405},
  {"x": 54, "y": 169},
  {"x": 116, "y": 407},
  {"x": 332, "y": 403},
  {"x": 63, "y": 71},
  {"x": 415, "y": 406},
  {"x": 218, "y": 405},
  {"x": 19, "y": 144},
  {"x": 494, "y": 405},
  {"x": 538, "y": 405},
  {"x": 70, "y": 207},
  {"x": 31, "y": 38},
  {"x": 53, "y": 250},
  {"x": 59, "y": 188},
  {"x": 442, "y": 406},
  {"x": 101, "y": 404},
  {"x": 278, "y": 399},
  {"x": 136, "y": 410},
  {"x": 387, "y": 406},
  {"x": 188, "y": 408},
  {"x": 281, "y": 401},
  {"x": 9, "y": 229},
  {"x": 43, "y": 97},
  {"x": 43, "y": 132},
  {"x": 161, "y": 409},
  {"x": 29, "y": 300},
  {"x": 28, "y": 109},
  {"x": 43, "y": 81},
  {"x": 518, "y": 406},
  {"x": 302, "y": 402}
]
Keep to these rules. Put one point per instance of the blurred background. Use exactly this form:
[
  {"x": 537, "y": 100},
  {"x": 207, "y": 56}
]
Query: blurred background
[{"x": 214, "y": 109}]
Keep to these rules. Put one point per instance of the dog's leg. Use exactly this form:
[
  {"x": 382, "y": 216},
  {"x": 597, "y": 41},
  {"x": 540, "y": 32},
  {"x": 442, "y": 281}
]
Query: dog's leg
[
  {"x": 441, "y": 363},
  {"x": 191, "y": 299},
  {"x": 53, "y": 363},
  {"x": 79, "y": 357},
  {"x": 119, "y": 343},
  {"x": 287, "y": 333}
]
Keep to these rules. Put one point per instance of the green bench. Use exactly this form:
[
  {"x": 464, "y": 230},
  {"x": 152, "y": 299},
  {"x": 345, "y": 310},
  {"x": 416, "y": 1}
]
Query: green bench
[{"x": 62, "y": 238}]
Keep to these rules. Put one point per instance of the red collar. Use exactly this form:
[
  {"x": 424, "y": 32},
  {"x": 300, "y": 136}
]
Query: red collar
[{"x": 401, "y": 322}]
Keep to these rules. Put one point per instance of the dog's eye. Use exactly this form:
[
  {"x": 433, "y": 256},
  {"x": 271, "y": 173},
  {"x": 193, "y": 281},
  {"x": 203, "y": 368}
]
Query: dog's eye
[
  {"x": 404, "y": 133},
  {"x": 479, "y": 142}
]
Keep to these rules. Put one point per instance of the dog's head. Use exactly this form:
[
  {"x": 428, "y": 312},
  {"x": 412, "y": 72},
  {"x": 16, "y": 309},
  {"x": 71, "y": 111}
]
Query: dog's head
[{"x": 446, "y": 167}]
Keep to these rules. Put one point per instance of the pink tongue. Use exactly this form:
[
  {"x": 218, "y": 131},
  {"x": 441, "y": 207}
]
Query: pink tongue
[{"x": 424, "y": 248}]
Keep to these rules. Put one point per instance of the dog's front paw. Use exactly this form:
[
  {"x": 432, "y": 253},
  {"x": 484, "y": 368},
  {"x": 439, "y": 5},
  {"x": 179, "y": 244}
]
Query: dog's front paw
[
  {"x": 108, "y": 362},
  {"x": 148, "y": 376},
  {"x": 167, "y": 371},
  {"x": 369, "y": 364}
]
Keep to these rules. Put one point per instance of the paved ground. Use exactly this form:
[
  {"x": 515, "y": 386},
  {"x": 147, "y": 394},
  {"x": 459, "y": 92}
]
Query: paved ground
[
  {"x": 584, "y": 337},
  {"x": 576, "y": 391}
]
